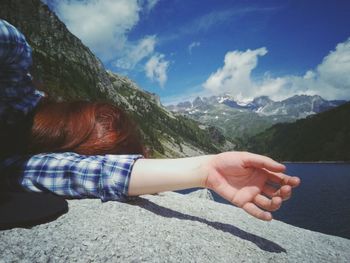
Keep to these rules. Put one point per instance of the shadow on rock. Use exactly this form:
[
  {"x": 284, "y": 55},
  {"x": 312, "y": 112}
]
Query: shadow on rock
[
  {"x": 260, "y": 242},
  {"x": 28, "y": 209}
]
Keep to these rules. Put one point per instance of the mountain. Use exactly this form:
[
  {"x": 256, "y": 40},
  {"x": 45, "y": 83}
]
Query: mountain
[
  {"x": 67, "y": 70},
  {"x": 321, "y": 137},
  {"x": 260, "y": 102},
  {"x": 297, "y": 106},
  {"x": 238, "y": 119},
  {"x": 168, "y": 134}
]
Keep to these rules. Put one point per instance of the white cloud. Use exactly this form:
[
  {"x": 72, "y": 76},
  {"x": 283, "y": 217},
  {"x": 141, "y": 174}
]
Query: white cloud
[
  {"x": 330, "y": 79},
  {"x": 192, "y": 46},
  {"x": 101, "y": 24},
  {"x": 235, "y": 75},
  {"x": 156, "y": 69},
  {"x": 137, "y": 52},
  {"x": 333, "y": 72},
  {"x": 104, "y": 25}
]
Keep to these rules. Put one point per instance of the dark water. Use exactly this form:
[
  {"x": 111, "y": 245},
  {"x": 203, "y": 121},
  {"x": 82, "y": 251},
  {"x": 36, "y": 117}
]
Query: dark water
[{"x": 321, "y": 203}]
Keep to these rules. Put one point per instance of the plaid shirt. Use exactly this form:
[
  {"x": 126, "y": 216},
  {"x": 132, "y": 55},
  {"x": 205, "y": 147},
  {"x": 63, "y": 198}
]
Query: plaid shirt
[
  {"x": 18, "y": 96},
  {"x": 67, "y": 174},
  {"x": 71, "y": 175}
]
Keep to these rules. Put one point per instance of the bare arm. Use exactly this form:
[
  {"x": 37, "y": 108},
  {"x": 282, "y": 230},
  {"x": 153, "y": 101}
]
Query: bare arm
[
  {"x": 240, "y": 177},
  {"x": 151, "y": 176}
]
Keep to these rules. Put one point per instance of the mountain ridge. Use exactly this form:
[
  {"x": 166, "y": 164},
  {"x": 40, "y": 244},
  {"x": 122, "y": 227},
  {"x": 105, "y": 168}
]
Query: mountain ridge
[
  {"x": 262, "y": 104},
  {"x": 237, "y": 120}
]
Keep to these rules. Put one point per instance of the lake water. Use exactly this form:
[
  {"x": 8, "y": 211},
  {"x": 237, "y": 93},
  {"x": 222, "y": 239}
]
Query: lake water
[{"x": 321, "y": 203}]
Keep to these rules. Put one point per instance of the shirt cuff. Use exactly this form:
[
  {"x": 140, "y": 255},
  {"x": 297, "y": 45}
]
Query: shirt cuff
[{"x": 115, "y": 177}]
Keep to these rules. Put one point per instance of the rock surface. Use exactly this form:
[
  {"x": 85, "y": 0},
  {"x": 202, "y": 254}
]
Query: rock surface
[
  {"x": 203, "y": 193},
  {"x": 169, "y": 227}
]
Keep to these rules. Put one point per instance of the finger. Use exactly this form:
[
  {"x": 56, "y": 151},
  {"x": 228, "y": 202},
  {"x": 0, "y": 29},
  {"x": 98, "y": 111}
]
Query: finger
[
  {"x": 255, "y": 211},
  {"x": 268, "y": 204},
  {"x": 240, "y": 197},
  {"x": 284, "y": 192},
  {"x": 260, "y": 161},
  {"x": 283, "y": 179},
  {"x": 270, "y": 191},
  {"x": 294, "y": 181}
]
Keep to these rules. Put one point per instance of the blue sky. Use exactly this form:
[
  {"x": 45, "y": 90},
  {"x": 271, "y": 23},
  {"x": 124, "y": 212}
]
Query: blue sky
[{"x": 180, "y": 49}]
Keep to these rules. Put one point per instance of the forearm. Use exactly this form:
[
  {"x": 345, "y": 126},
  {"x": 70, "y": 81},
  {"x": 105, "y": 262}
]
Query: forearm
[{"x": 151, "y": 176}]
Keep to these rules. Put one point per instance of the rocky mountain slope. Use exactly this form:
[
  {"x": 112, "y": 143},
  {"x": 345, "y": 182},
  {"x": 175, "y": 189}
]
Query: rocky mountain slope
[
  {"x": 237, "y": 119},
  {"x": 68, "y": 70},
  {"x": 321, "y": 137},
  {"x": 168, "y": 227},
  {"x": 62, "y": 64},
  {"x": 168, "y": 134}
]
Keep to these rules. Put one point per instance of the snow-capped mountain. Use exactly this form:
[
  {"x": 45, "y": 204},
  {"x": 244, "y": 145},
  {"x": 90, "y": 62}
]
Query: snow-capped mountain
[
  {"x": 298, "y": 106},
  {"x": 237, "y": 119}
]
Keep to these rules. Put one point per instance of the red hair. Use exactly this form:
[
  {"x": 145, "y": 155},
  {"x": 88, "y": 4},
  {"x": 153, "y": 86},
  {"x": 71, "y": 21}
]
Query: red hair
[{"x": 88, "y": 128}]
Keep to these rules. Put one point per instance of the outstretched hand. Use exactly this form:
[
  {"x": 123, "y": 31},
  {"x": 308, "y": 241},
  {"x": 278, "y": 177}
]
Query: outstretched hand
[{"x": 252, "y": 182}]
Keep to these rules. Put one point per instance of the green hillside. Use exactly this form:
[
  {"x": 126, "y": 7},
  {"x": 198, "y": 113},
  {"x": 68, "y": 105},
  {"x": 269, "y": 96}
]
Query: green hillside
[
  {"x": 235, "y": 123},
  {"x": 159, "y": 124},
  {"x": 321, "y": 137}
]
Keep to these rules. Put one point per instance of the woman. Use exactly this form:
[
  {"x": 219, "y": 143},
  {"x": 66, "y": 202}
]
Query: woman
[{"x": 73, "y": 149}]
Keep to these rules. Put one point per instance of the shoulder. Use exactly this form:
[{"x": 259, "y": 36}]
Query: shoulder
[
  {"x": 15, "y": 52},
  {"x": 10, "y": 34}
]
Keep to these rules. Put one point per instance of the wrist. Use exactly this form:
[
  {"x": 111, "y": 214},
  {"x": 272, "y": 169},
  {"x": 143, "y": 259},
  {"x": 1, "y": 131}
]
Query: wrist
[{"x": 204, "y": 169}]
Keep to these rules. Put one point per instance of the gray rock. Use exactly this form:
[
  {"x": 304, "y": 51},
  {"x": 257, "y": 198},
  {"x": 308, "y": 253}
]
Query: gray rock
[
  {"x": 203, "y": 193},
  {"x": 166, "y": 228}
]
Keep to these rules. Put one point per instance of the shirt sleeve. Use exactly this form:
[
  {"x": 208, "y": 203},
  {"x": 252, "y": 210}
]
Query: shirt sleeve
[
  {"x": 18, "y": 96},
  {"x": 72, "y": 175}
]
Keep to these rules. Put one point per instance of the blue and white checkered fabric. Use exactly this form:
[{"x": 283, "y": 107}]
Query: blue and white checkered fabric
[
  {"x": 73, "y": 175},
  {"x": 18, "y": 96}
]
